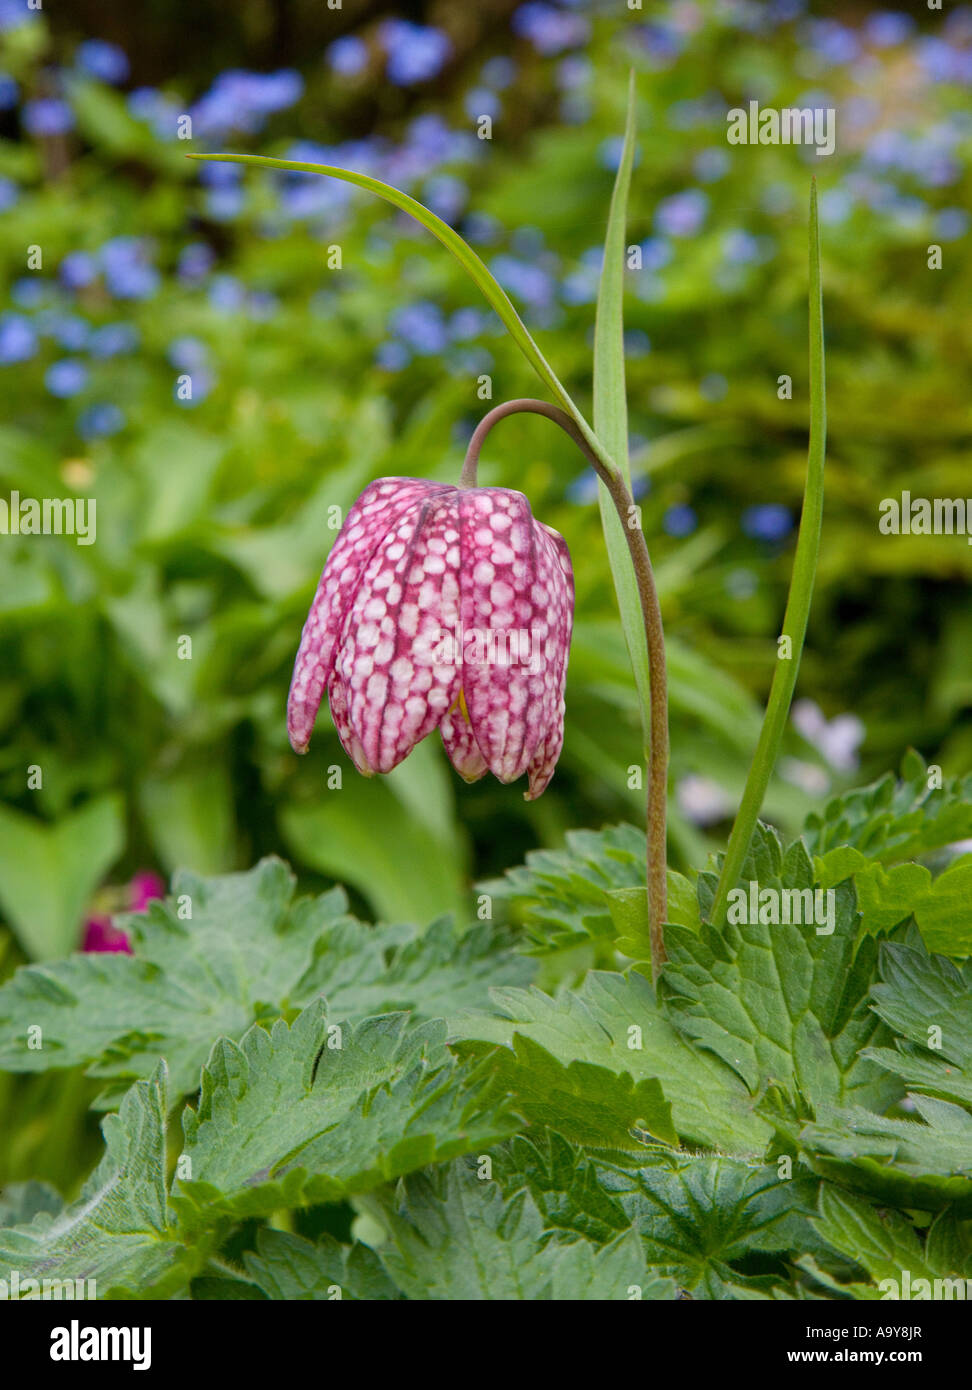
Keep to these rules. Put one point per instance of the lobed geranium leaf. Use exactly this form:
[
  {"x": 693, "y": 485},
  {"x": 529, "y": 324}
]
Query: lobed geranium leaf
[
  {"x": 927, "y": 1000},
  {"x": 889, "y": 821},
  {"x": 249, "y": 951},
  {"x": 784, "y": 1005},
  {"x": 118, "y": 1233},
  {"x": 614, "y": 1022},
  {"x": 885, "y": 1244},
  {"x": 320, "y": 1110},
  {"x": 286, "y": 1266},
  {"x": 701, "y": 1217},
  {"x": 458, "y": 1237},
  {"x": 942, "y": 906},
  {"x": 922, "y": 1164}
]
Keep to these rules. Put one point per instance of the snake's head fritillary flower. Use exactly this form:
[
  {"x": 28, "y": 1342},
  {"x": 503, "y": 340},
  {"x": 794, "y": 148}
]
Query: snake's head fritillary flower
[{"x": 440, "y": 607}]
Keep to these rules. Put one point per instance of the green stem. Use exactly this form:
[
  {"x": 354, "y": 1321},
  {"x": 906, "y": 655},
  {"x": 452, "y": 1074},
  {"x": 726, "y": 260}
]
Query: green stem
[
  {"x": 654, "y": 636},
  {"x": 798, "y": 602}
]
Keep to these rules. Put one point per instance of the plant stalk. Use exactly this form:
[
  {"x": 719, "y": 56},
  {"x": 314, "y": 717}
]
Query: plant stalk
[
  {"x": 657, "y": 794},
  {"x": 797, "y": 604}
]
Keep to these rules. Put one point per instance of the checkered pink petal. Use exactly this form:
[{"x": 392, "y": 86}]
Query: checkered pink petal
[
  {"x": 378, "y": 509},
  {"x": 447, "y": 608}
]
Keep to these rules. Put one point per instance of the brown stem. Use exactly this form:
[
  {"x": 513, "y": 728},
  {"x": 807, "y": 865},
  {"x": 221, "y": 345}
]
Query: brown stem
[{"x": 651, "y": 612}]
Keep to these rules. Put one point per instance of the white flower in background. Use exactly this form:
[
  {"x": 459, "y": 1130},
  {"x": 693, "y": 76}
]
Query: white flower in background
[{"x": 837, "y": 740}]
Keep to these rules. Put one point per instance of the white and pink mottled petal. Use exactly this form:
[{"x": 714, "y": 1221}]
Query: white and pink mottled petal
[
  {"x": 338, "y": 701},
  {"x": 506, "y": 585},
  {"x": 461, "y": 747},
  {"x": 398, "y": 647},
  {"x": 377, "y": 510}
]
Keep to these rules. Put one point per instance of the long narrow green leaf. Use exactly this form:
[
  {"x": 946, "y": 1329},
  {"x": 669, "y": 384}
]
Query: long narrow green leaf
[
  {"x": 493, "y": 292},
  {"x": 798, "y": 602},
  {"x": 611, "y": 408}
]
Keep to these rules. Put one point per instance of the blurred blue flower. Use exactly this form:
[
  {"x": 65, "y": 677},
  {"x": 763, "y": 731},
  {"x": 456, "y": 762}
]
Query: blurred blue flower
[
  {"x": 888, "y": 28},
  {"x": 742, "y": 248},
  {"x": 835, "y": 206},
  {"x": 659, "y": 42},
  {"x": 680, "y": 520},
  {"x": 480, "y": 101},
  {"x": 347, "y": 55},
  {"x": 224, "y": 204},
  {"x": 113, "y": 340},
  {"x": 768, "y": 521},
  {"x": 655, "y": 253},
  {"x": 446, "y": 196},
  {"x": 682, "y": 214},
  {"x": 833, "y": 41},
  {"x": 529, "y": 282},
  {"x": 421, "y": 327},
  {"x": 393, "y": 356},
  {"x": 574, "y": 72},
  {"x": 9, "y": 193},
  {"x": 951, "y": 224},
  {"x": 68, "y": 330},
  {"x": 202, "y": 384},
  {"x": 105, "y": 61},
  {"x": 415, "y": 52},
  {"x": 78, "y": 269},
  {"x": 100, "y": 420},
  {"x": 159, "y": 111},
  {"x": 499, "y": 73},
  {"x": 195, "y": 262},
  {"x": 467, "y": 323},
  {"x": 481, "y": 228},
  {"x": 14, "y": 13},
  {"x": 66, "y": 378},
  {"x": 636, "y": 342},
  {"x": 550, "y": 30},
  {"x": 261, "y": 305},
  {"x": 226, "y": 292},
  {"x": 18, "y": 339},
  {"x": 48, "y": 116},
  {"x": 242, "y": 100},
  {"x": 9, "y": 92},
  {"x": 583, "y": 488},
  {"x": 128, "y": 272},
  {"x": 711, "y": 164},
  {"x": 29, "y": 292},
  {"x": 609, "y": 153},
  {"x": 528, "y": 241}
]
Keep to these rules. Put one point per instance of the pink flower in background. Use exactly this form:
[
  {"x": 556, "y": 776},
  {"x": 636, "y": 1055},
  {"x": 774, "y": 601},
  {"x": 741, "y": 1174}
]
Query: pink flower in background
[
  {"x": 100, "y": 935},
  {"x": 442, "y": 608}
]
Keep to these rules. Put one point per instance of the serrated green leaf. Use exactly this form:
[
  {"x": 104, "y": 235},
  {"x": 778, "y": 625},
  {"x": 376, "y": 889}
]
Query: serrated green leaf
[
  {"x": 906, "y": 1163},
  {"x": 614, "y": 1021},
  {"x": 927, "y": 1001},
  {"x": 188, "y": 982},
  {"x": 784, "y": 1005},
  {"x": 890, "y": 821},
  {"x": 318, "y": 1111},
  {"x": 456, "y": 1237},
  {"x": 700, "y": 1216},
  {"x": 289, "y": 1267},
  {"x": 588, "y": 1104},
  {"x": 886, "y": 1244},
  {"x": 249, "y": 951},
  {"x": 942, "y": 906},
  {"x": 118, "y": 1232}
]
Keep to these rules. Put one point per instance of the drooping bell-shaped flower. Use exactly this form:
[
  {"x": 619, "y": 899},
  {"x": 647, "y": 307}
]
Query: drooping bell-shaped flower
[{"x": 440, "y": 607}]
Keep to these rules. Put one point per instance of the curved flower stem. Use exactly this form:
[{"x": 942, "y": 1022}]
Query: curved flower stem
[{"x": 651, "y": 612}]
